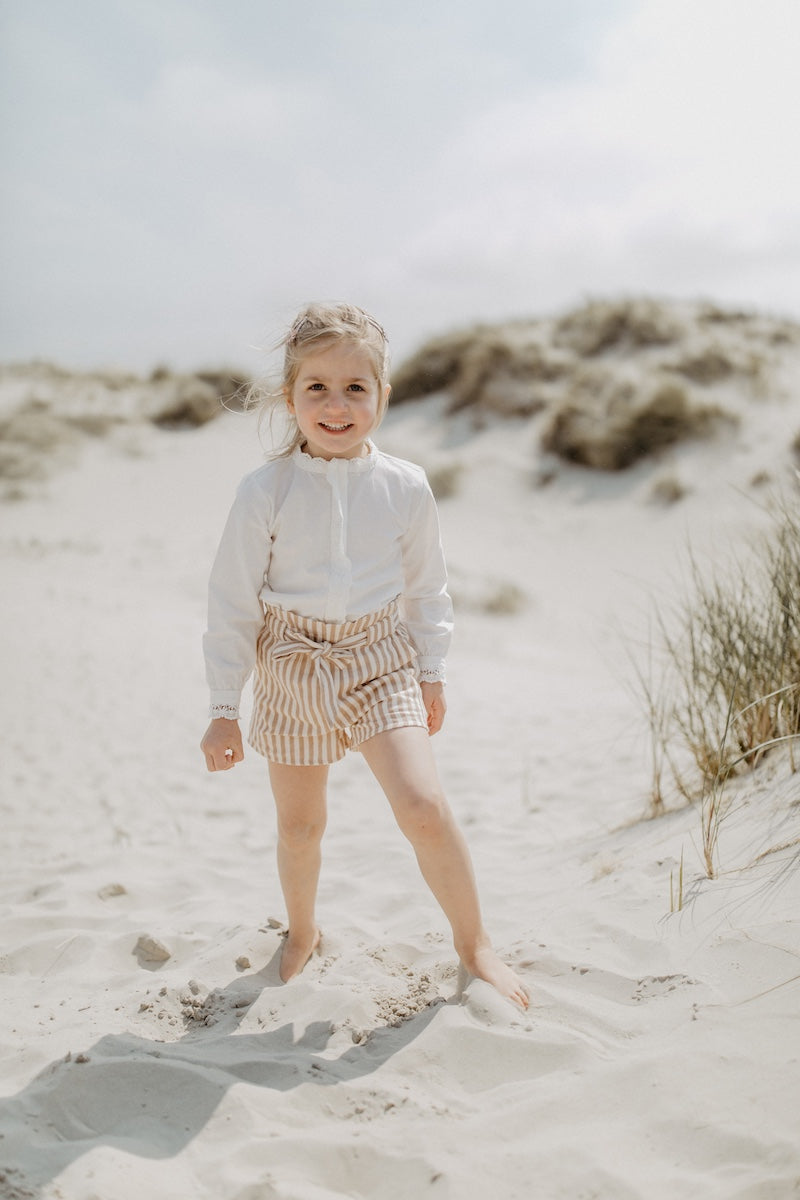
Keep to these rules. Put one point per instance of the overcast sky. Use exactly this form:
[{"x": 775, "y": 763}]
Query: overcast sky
[{"x": 181, "y": 175}]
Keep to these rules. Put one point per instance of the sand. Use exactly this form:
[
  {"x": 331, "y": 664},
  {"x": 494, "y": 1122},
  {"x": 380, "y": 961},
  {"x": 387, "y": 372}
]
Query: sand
[{"x": 147, "y": 1048}]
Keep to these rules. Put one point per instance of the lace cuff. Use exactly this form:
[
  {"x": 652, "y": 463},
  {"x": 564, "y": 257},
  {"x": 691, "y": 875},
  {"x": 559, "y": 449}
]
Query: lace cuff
[
  {"x": 230, "y": 712},
  {"x": 431, "y": 671}
]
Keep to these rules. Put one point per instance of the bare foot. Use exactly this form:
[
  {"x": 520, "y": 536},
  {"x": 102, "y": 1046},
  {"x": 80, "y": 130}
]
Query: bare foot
[
  {"x": 486, "y": 964},
  {"x": 297, "y": 950}
]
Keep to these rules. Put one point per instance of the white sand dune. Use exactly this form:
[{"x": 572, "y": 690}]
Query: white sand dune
[{"x": 660, "y": 1056}]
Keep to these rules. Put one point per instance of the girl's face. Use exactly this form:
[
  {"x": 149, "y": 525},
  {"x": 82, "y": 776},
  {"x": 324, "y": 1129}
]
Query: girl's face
[{"x": 335, "y": 400}]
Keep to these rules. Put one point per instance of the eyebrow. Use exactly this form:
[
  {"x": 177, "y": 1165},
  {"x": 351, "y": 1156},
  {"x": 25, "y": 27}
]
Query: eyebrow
[{"x": 322, "y": 378}]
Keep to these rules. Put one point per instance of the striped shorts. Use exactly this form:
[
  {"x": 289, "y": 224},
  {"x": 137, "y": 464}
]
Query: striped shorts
[{"x": 321, "y": 687}]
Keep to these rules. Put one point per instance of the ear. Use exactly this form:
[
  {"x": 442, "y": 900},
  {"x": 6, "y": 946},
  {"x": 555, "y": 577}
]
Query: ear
[{"x": 287, "y": 395}]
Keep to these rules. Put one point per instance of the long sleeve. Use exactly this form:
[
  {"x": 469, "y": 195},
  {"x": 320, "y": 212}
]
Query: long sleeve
[
  {"x": 235, "y": 610},
  {"x": 428, "y": 608}
]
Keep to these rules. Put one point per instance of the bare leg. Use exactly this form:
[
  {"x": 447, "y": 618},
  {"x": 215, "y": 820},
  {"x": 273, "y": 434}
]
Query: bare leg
[
  {"x": 300, "y": 802},
  {"x": 402, "y": 762}
]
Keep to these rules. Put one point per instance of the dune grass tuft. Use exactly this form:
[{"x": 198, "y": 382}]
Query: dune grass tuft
[
  {"x": 602, "y": 325},
  {"x": 435, "y": 366},
  {"x": 485, "y": 368},
  {"x": 604, "y": 422},
  {"x": 194, "y": 403},
  {"x": 500, "y": 375},
  {"x": 730, "y": 690},
  {"x": 32, "y": 435},
  {"x": 491, "y": 596},
  {"x": 445, "y": 480},
  {"x": 667, "y": 490}
]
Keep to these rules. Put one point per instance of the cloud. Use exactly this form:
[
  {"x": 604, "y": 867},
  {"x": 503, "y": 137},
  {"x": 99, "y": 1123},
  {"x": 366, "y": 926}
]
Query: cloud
[
  {"x": 214, "y": 108},
  {"x": 671, "y": 167},
  {"x": 179, "y": 180}
]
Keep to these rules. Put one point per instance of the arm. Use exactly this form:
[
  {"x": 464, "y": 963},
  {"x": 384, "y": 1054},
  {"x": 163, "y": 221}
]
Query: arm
[
  {"x": 428, "y": 608},
  {"x": 235, "y": 616}
]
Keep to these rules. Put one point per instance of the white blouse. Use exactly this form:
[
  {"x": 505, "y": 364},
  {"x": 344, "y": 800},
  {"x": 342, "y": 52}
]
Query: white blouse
[{"x": 332, "y": 539}]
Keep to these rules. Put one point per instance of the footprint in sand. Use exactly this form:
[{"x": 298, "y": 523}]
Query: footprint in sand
[{"x": 660, "y": 985}]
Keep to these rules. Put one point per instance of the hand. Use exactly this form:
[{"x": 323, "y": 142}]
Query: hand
[
  {"x": 222, "y": 744},
  {"x": 435, "y": 705}
]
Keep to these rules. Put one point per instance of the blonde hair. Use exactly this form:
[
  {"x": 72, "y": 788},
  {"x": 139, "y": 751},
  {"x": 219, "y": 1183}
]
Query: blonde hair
[{"x": 314, "y": 328}]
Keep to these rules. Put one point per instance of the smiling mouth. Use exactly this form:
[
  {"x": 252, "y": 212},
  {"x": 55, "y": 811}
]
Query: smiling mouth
[{"x": 331, "y": 428}]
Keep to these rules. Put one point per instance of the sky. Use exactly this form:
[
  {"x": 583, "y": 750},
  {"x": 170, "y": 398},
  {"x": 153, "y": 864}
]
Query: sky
[{"x": 180, "y": 176}]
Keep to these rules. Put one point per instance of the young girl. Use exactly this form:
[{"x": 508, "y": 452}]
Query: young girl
[{"x": 330, "y": 583}]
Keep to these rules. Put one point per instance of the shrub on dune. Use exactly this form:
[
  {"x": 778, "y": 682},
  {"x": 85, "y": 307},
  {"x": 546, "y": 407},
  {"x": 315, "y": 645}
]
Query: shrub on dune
[
  {"x": 29, "y": 437},
  {"x": 445, "y": 479},
  {"x": 499, "y": 375},
  {"x": 230, "y": 386},
  {"x": 491, "y": 369},
  {"x": 434, "y": 367},
  {"x": 194, "y": 403},
  {"x": 715, "y": 364},
  {"x": 602, "y": 325},
  {"x": 194, "y": 400},
  {"x": 607, "y": 423}
]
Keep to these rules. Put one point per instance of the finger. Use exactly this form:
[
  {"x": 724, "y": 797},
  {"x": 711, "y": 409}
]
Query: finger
[{"x": 435, "y": 719}]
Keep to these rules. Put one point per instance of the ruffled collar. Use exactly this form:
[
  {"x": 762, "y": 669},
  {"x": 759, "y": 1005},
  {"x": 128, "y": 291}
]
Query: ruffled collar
[{"x": 336, "y": 466}]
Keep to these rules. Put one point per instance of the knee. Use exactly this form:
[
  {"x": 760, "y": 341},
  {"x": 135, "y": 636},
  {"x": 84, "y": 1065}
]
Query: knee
[
  {"x": 298, "y": 832},
  {"x": 424, "y": 816}
]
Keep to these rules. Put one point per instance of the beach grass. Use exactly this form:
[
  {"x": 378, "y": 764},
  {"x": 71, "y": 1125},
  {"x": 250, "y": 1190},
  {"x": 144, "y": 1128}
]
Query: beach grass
[{"x": 730, "y": 688}]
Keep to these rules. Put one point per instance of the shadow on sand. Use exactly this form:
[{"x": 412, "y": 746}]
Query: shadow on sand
[{"x": 151, "y": 1098}]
